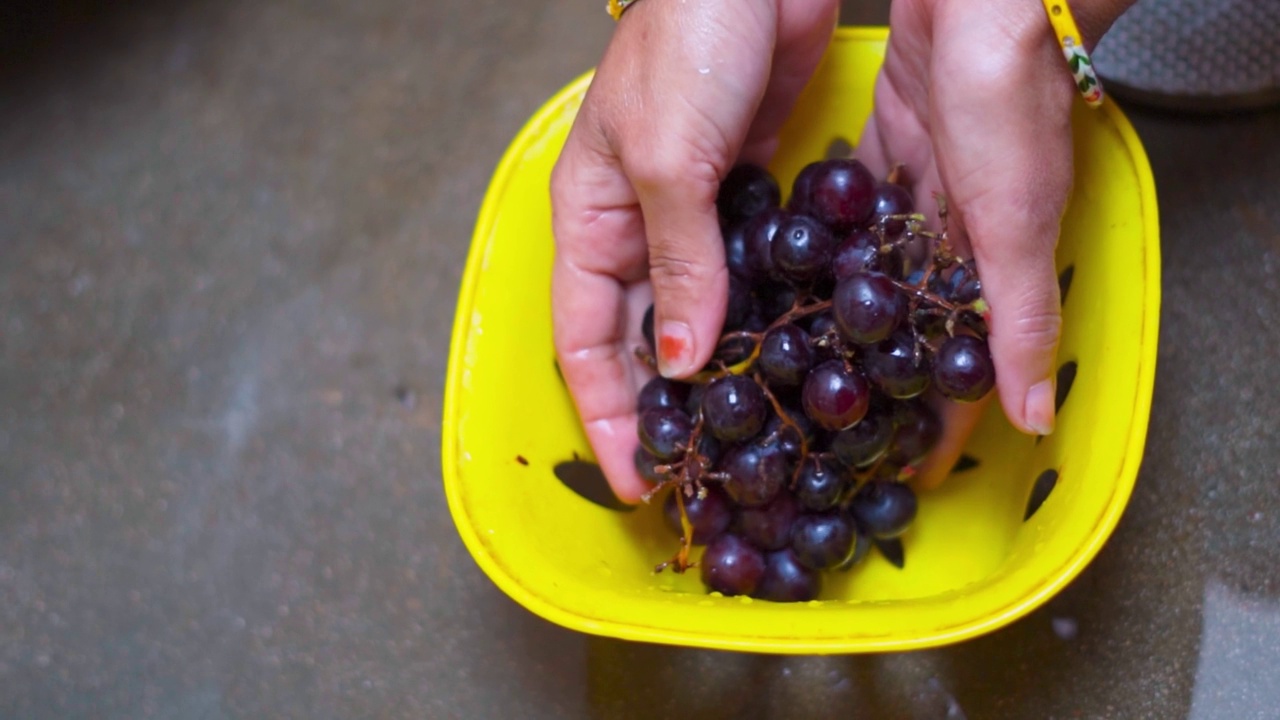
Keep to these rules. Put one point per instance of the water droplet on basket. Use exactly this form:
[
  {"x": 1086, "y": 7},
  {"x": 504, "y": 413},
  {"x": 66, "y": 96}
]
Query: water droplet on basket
[{"x": 744, "y": 599}]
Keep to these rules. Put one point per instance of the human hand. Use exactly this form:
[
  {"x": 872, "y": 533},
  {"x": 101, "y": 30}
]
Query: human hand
[
  {"x": 685, "y": 90},
  {"x": 975, "y": 99}
]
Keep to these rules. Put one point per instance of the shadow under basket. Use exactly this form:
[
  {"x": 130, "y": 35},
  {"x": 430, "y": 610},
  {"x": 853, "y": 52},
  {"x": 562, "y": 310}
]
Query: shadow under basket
[{"x": 1019, "y": 517}]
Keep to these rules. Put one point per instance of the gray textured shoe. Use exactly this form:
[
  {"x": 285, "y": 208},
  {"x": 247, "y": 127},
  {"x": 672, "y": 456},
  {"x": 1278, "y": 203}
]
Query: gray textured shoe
[{"x": 1194, "y": 55}]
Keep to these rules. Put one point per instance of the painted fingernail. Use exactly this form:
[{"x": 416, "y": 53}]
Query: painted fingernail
[
  {"x": 1038, "y": 407},
  {"x": 675, "y": 349}
]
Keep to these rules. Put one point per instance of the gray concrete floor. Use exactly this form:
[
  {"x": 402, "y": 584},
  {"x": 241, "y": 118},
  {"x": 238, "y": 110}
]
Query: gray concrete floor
[{"x": 230, "y": 230}]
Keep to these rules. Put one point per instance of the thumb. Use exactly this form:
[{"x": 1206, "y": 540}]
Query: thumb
[{"x": 686, "y": 262}]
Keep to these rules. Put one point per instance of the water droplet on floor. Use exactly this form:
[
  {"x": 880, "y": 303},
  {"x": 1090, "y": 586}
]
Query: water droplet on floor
[{"x": 1066, "y": 628}]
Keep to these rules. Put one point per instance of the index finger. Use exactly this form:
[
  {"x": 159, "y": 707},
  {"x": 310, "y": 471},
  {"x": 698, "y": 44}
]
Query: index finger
[{"x": 598, "y": 294}]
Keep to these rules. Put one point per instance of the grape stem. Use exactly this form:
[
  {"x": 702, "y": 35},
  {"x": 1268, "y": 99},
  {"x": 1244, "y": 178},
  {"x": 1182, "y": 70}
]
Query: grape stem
[
  {"x": 681, "y": 559},
  {"x": 787, "y": 421},
  {"x": 861, "y": 478}
]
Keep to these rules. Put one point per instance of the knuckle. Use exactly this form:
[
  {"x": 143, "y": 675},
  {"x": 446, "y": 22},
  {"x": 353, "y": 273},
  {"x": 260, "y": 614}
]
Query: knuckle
[
  {"x": 669, "y": 171},
  {"x": 673, "y": 268},
  {"x": 1038, "y": 330}
]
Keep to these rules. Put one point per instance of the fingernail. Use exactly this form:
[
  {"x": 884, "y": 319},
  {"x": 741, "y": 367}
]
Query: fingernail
[
  {"x": 675, "y": 349},
  {"x": 1038, "y": 407}
]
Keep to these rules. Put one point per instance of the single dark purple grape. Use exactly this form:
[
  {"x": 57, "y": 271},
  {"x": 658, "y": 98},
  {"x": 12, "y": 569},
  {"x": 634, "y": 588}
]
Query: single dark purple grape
[
  {"x": 964, "y": 285},
  {"x": 760, "y": 232},
  {"x": 917, "y": 430},
  {"x": 892, "y": 199},
  {"x": 785, "y": 355},
  {"x": 802, "y": 249},
  {"x": 738, "y": 311},
  {"x": 708, "y": 516},
  {"x": 822, "y": 323},
  {"x": 774, "y": 299},
  {"x": 896, "y": 366},
  {"x": 769, "y": 527},
  {"x": 884, "y": 509},
  {"x": 859, "y": 252},
  {"x": 747, "y": 191},
  {"x": 787, "y": 437},
  {"x": 802, "y": 187},
  {"x": 867, "y": 307},
  {"x": 968, "y": 292},
  {"x": 731, "y": 566},
  {"x": 735, "y": 250},
  {"x": 915, "y": 277},
  {"x": 646, "y": 464},
  {"x": 840, "y": 194},
  {"x": 755, "y": 473},
  {"x": 822, "y": 540},
  {"x": 835, "y": 397},
  {"x": 861, "y": 547},
  {"x": 963, "y": 370},
  {"x": 660, "y": 392},
  {"x": 820, "y": 483},
  {"x": 864, "y": 443},
  {"x": 665, "y": 432},
  {"x": 786, "y": 580},
  {"x": 734, "y": 408},
  {"x": 646, "y": 328}
]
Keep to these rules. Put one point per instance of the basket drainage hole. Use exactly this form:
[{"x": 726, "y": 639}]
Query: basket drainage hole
[
  {"x": 1064, "y": 283},
  {"x": 1066, "y": 378},
  {"x": 1040, "y": 491},
  {"x": 588, "y": 481},
  {"x": 839, "y": 148}
]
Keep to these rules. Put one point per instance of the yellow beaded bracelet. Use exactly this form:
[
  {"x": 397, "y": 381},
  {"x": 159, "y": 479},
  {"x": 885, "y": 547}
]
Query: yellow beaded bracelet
[{"x": 1068, "y": 35}]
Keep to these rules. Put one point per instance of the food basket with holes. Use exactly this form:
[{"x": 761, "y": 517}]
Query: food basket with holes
[{"x": 1018, "y": 518}]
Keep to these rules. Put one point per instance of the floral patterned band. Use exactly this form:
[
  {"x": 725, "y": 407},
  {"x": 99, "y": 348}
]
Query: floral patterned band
[{"x": 1064, "y": 27}]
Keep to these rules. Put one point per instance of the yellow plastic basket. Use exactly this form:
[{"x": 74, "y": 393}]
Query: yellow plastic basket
[{"x": 973, "y": 563}]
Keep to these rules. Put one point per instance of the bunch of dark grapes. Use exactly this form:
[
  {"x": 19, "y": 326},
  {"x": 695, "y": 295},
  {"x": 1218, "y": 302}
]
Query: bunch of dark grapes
[{"x": 788, "y": 454}]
